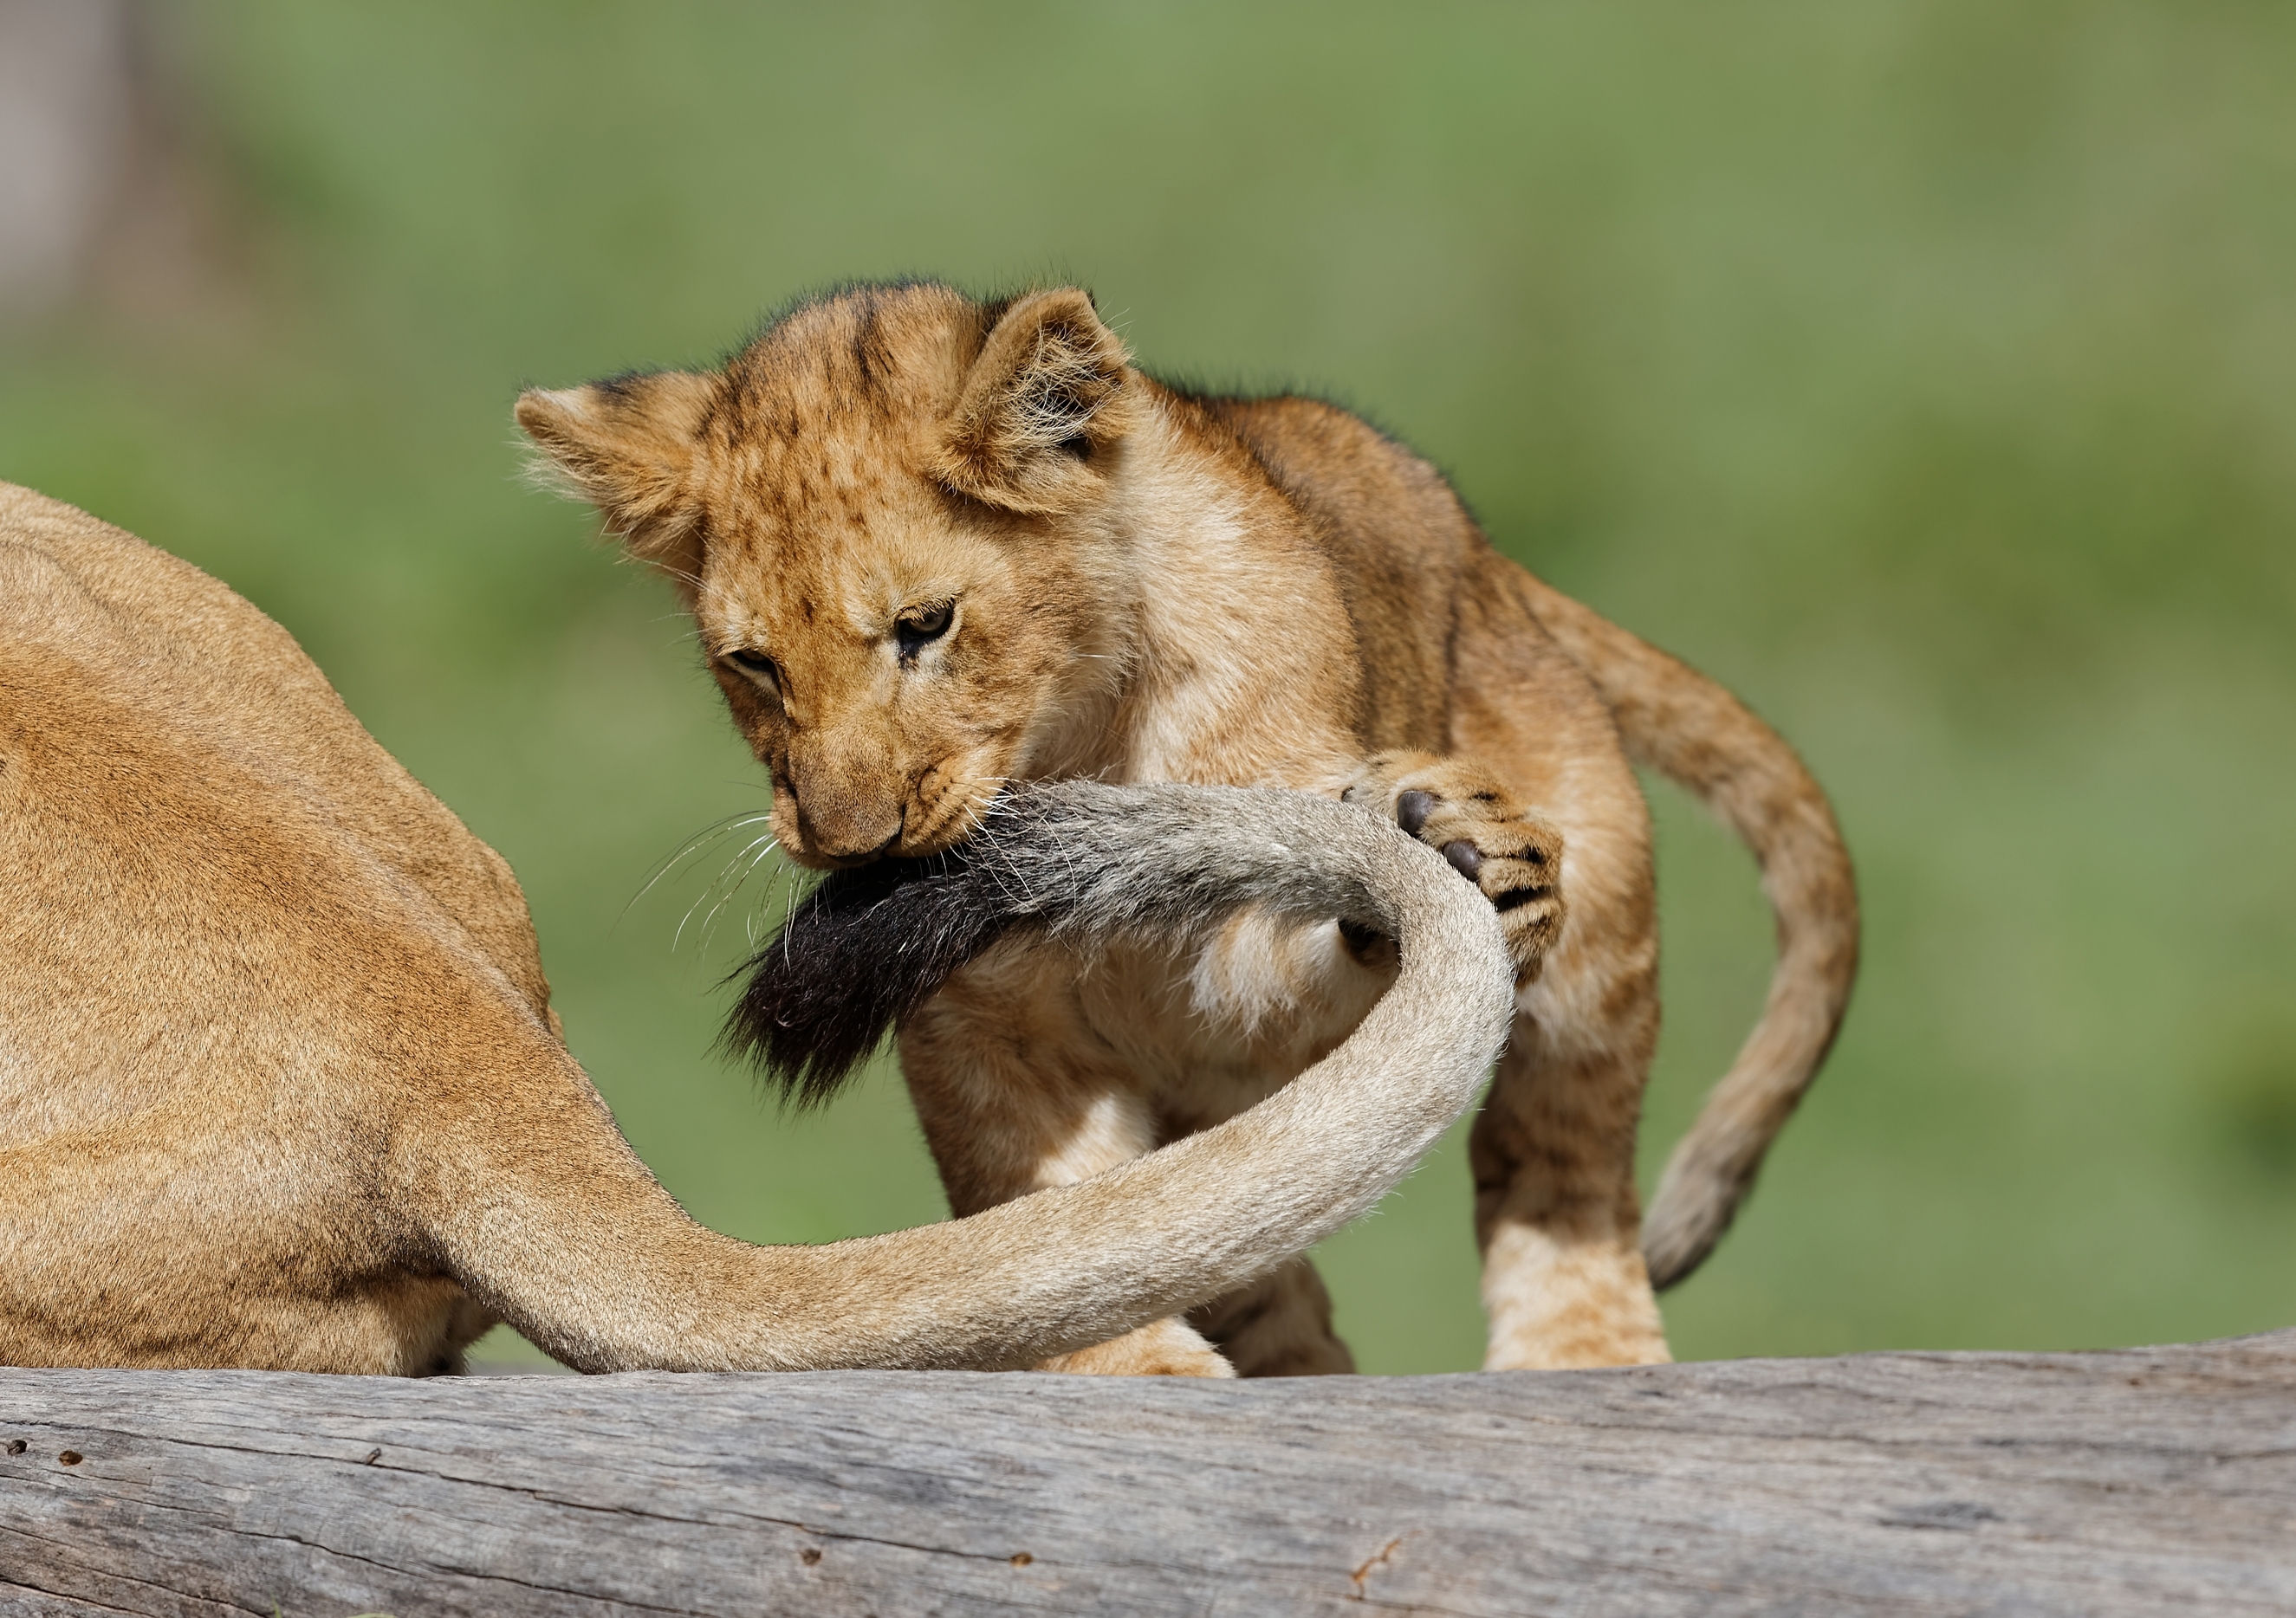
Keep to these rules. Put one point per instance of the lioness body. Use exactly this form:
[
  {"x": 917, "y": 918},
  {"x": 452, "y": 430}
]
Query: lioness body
[
  {"x": 934, "y": 546},
  {"x": 186, "y": 811},
  {"x": 280, "y": 1085}
]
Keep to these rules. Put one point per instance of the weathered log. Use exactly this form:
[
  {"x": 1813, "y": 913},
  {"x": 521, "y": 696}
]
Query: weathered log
[{"x": 2140, "y": 1481}]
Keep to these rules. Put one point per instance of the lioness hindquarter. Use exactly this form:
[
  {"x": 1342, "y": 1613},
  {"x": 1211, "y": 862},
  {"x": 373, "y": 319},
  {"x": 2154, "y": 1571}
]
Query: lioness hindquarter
[{"x": 933, "y": 545}]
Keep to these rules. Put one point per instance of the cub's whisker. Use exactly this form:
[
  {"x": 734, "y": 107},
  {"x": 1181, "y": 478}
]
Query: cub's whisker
[
  {"x": 735, "y": 871},
  {"x": 693, "y": 847}
]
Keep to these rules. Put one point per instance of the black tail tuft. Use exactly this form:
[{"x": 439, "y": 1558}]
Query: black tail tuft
[{"x": 857, "y": 954}]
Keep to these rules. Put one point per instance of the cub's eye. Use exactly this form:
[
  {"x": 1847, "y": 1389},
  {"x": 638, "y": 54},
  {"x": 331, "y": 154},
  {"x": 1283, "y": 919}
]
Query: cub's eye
[
  {"x": 753, "y": 663},
  {"x": 921, "y": 624}
]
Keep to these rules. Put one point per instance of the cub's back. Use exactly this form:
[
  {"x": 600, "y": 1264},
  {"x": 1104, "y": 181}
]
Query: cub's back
[{"x": 1403, "y": 547}]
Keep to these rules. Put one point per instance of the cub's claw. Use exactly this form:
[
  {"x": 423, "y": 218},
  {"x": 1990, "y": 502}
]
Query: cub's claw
[{"x": 1464, "y": 812}]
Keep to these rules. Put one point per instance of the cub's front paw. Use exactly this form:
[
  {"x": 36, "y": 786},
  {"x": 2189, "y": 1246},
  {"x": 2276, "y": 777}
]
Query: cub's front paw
[
  {"x": 1465, "y": 813},
  {"x": 1161, "y": 1348}
]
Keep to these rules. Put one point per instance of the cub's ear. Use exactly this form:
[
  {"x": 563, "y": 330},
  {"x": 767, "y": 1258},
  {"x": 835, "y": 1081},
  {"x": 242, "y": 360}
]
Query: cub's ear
[
  {"x": 1045, "y": 398},
  {"x": 627, "y": 445}
]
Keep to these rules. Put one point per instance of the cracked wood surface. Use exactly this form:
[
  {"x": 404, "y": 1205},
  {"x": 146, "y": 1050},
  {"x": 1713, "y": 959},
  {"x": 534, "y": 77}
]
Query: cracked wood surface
[{"x": 2140, "y": 1481}]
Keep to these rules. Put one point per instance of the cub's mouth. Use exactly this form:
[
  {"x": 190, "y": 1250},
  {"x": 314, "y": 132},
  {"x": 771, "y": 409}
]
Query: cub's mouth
[
  {"x": 854, "y": 861},
  {"x": 950, "y": 803},
  {"x": 943, "y": 806},
  {"x": 908, "y": 840}
]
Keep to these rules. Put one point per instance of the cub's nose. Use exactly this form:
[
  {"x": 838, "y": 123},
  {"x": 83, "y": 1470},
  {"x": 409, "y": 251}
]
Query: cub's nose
[
  {"x": 843, "y": 847},
  {"x": 850, "y": 807}
]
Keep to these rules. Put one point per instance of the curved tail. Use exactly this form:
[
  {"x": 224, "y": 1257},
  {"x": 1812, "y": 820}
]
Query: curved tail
[
  {"x": 1676, "y": 721},
  {"x": 1077, "y": 1265}
]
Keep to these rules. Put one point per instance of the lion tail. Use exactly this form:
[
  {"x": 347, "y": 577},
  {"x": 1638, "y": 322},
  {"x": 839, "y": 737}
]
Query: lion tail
[
  {"x": 570, "y": 1240},
  {"x": 1683, "y": 724},
  {"x": 1086, "y": 864},
  {"x": 600, "y": 1268}
]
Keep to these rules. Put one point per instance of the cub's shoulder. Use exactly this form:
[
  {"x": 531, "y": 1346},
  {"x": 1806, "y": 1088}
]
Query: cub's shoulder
[
  {"x": 1297, "y": 435},
  {"x": 1342, "y": 469},
  {"x": 1379, "y": 508}
]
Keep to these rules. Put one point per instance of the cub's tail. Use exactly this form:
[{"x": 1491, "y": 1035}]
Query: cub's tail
[{"x": 1676, "y": 721}]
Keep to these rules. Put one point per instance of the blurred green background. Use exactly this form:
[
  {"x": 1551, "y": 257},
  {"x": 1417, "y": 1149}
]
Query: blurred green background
[{"x": 1925, "y": 372}]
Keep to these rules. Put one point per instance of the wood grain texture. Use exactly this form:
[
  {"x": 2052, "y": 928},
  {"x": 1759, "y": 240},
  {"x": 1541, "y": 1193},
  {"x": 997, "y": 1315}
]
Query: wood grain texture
[{"x": 2143, "y": 1481}]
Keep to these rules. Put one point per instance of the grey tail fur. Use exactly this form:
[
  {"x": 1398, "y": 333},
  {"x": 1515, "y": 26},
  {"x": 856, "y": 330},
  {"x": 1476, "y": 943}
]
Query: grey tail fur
[{"x": 866, "y": 947}]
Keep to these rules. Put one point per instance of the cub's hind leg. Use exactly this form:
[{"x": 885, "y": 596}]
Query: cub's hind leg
[
  {"x": 1553, "y": 1151},
  {"x": 1016, "y": 1093},
  {"x": 1161, "y": 1348},
  {"x": 1555, "y": 1212},
  {"x": 1554, "y": 1148},
  {"x": 1279, "y": 1326}
]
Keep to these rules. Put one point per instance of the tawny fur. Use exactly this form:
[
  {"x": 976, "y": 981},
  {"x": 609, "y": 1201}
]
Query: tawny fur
[
  {"x": 934, "y": 546},
  {"x": 280, "y": 1085}
]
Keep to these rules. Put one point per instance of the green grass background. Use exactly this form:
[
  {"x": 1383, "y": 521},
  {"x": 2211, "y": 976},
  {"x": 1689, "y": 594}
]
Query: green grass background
[{"x": 1926, "y": 372}]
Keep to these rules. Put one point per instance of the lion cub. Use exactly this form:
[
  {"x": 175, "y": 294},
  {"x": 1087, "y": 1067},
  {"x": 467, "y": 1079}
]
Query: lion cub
[{"x": 934, "y": 546}]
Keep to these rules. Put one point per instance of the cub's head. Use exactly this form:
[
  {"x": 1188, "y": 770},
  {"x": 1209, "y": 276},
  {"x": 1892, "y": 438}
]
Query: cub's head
[{"x": 891, "y": 515}]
